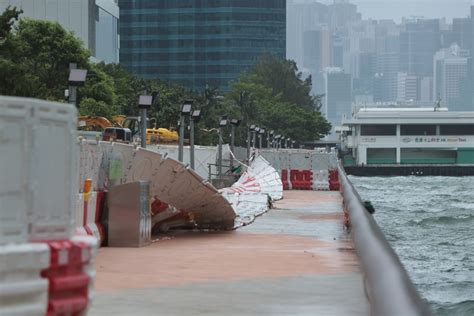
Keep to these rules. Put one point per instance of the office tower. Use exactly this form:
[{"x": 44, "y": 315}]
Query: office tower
[
  {"x": 337, "y": 96},
  {"x": 418, "y": 43},
  {"x": 450, "y": 74},
  {"x": 199, "y": 43},
  {"x": 93, "y": 21}
]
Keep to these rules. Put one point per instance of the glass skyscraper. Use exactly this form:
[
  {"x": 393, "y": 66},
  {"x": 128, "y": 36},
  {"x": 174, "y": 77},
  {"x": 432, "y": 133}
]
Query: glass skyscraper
[{"x": 199, "y": 43}]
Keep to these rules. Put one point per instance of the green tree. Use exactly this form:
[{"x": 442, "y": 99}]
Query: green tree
[
  {"x": 283, "y": 77},
  {"x": 272, "y": 95},
  {"x": 44, "y": 50}
]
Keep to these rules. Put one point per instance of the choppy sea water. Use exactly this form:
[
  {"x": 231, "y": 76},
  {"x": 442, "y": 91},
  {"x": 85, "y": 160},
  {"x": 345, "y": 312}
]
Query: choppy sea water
[{"x": 429, "y": 221}]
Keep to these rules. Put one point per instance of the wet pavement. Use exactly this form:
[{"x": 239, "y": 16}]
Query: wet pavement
[{"x": 294, "y": 260}]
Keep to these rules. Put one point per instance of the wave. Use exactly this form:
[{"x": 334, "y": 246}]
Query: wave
[
  {"x": 444, "y": 220},
  {"x": 462, "y": 308}
]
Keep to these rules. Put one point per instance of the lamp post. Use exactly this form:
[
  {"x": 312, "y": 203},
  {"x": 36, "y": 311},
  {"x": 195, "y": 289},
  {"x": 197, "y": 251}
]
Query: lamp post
[
  {"x": 269, "y": 139},
  {"x": 277, "y": 141},
  {"x": 293, "y": 144},
  {"x": 250, "y": 131},
  {"x": 222, "y": 124},
  {"x": 144, "y": 103},
  {"x": 195, "y": 117},
  {"x": 185, "y": 111},
  {"x": 234, "y": 123},
  {"x": 77, "y": 78},
  {"x": 260, "y": 137},
  {"x": 254, "y": 136},
  {"x": 287, "y": 142}
]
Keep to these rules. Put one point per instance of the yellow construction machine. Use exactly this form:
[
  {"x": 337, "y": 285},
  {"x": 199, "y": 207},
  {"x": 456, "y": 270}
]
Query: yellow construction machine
[{"x": 123, "y": 125}]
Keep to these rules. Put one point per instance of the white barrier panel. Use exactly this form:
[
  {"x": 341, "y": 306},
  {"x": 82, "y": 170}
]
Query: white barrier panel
[
  {"x": 22, "y": 289},
  {"x": 247, "y": 206},
  {"x": 14, "y": 186},
  {"x": 170, "y": 181},
  {"x": 40, "y": 171},
  {"x": 203, "y": 156},
  {"x": 90, "y": 158},
  {"x": 260, "y": 177}
]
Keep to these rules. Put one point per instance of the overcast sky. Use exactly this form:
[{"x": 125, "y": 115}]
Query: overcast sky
[{"x": 396, "y": 9}]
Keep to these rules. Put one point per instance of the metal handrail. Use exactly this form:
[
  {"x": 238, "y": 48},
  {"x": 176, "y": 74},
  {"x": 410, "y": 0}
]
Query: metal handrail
[{"x": 388, "y": 286}]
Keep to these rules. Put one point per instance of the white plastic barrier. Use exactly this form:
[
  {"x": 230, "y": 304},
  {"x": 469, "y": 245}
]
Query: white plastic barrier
[
  {"x": 30, "y": 131},
  {"x": 22, "y": 289},
  {"x": 89, "y": 268}
]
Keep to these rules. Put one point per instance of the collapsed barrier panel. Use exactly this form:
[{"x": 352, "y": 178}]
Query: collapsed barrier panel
[{"x": 389, "y": 288}]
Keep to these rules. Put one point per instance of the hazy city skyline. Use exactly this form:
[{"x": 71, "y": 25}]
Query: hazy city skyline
[{"x": 397, "y": 9}]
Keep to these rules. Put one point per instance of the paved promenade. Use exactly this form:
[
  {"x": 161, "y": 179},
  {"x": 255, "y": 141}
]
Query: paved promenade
[{"x": 294, "y": 260}]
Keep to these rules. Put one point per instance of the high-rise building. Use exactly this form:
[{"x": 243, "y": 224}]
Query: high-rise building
[
  {"x": 462, "y": 33},
  {"x": 385, "y": 78},
  {"x": 450, "y": 74},
  {"x": 316, "y": 50},
  {"x": 418, "y": 43},
  {"x": 93, "y": 21},
  {"x": 199, "y": 43},
  {"x": 302, "y": 17},
  {"x": 341, "y": 13},
  {"x": 407, "y": 87},
  {"x": 337, "y": 96}
]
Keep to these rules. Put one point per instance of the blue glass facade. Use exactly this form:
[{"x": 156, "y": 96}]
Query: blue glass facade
[{"x": 199, "y": 42}]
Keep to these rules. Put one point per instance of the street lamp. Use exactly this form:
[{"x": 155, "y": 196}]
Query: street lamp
[
  {"x": 144, "y": 103},
  {"x": 277, "y": 141},
  {"x": 269, "y": 139},
  {"x": 195, "y": 117},
  {"x": 222, "y": 123},
  {"x": 293, "y": 144},
  {"x": 234, "y": 123},
  {"x": 287, "y": 142},
  {"x": 260, "y": 136},
  {"x": 77, "y": 78},
  {"x": 254, "y": 136},
  {"x": 250, "y": 131},
  {"x": 185, "y": 111}
]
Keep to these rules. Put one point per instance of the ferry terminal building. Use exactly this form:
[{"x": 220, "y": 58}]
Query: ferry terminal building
[{"x": 402, "y": 136}]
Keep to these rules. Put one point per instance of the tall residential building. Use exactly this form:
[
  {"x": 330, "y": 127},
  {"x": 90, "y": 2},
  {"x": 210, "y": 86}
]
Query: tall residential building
[
  {"x": 418, "y": 43},
  {"x": 337, "y": 96},
  {"x": 199, "y": 43},
  {"x": 450, "y": 74},
  {"x": 95, "y": 22}
]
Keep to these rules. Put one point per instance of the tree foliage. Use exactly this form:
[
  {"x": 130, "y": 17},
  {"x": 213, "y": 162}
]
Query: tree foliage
[{"x": 273, "y": 95}]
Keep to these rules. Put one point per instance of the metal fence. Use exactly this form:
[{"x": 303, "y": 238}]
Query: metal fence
[{"x": 388, "y": 286}]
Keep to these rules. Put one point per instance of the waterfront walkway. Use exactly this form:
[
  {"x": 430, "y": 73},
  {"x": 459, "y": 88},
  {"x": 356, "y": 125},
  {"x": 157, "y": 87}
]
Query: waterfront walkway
[{"x": 294, "y": 260}]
